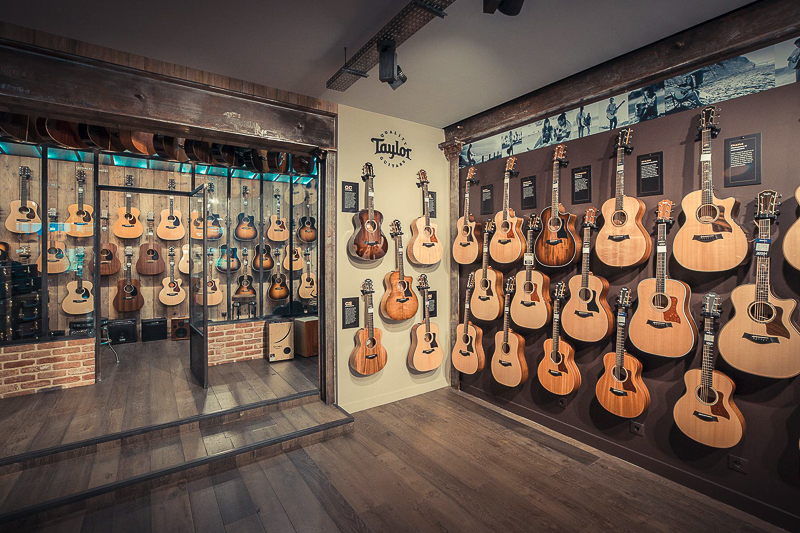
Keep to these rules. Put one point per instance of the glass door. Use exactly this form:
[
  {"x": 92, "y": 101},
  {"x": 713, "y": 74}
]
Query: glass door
[{"x": 202, "y": 287}]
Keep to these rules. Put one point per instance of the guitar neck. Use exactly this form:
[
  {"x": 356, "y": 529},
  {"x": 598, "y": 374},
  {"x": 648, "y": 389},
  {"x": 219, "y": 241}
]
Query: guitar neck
[
  {"x": 425, "y": 203},
  {"x": 620, "y": 190},
  {"x": 485, "y": 263},
  {"x": 128, "y": 202},
  {"x": 371, "y": 198},
  {"x": 505, "y": 195},
  {"x": 466, "y": 202},
  {"x": 80, "y": 197},
  {"x": 529, "y": 268},
  {"x": 171, "y": 205},
  {"x": 368, "y": 316},
  {"x": 707, "y": 377},
  {"x": 587, "y": 233},
  {"x": 128, "y": 277},
  {"x": 705, "y": 165},
  {"x": 466, "y": 310},
  {"x": 622, "y": 319},
  {"x": 506, "y": 314},
  {"x": 556, "y": 324},
  {"x": 398, "y": 250},
  {"x": 661, "y": 258},
  {"x": 23, "y": 191},
  {"x": 762, "y": 264}
]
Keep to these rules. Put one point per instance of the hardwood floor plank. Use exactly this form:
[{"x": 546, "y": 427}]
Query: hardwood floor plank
[
  {"x": 232, "y": 496},
  {"x": 171, "y": 509},
  {"x": 205, "y": 509},
  {"x": 271, "y": 513},
  {"x": 132, "y": 515},
  {"x": 105, "y": 467},
  {"x": 248, "y": 524},
  {"x": 98, "y": 520}
]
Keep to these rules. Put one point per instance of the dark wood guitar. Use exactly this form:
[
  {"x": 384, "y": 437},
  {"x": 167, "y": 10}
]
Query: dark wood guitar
[
  {"x": 426, "y": 352},
  {"x": 197, "y": 151},
  {"x": 278, "y": 289},
  {"x": 557, "y": 371},
  {"x": 244, "y": 285},
  {"x": 18, "y": 127},
  {"x": 278, "y": 162},
  {"x": 151, "y": 261},
  {"x": 136, "y": 142},
  {"x": 469, "y": 239},
  {"x": 95, "y": 137},
  {"x": 558, "y": 243},
  {"x": 169, "y": 148},
  {"x": 308, "y": 224},
  {"x": 369, "y": 356},
  {"x": 23, "y": 214},
  {"x": 246, "y": 224},
  {"x": 228, "y": 261},
  {"x": 129, "y": 296},
  {"x": 60, "y": 132},
  {"x": 468, "y": 356},
  {"x": 368, "y": 241},
  {"x": 399, "y": 301},
  {"x": 487, "y": 300},
  {"x": 508, "y": 243},
  {"x": 255, "y": 160},
  {"x": 509, "y": 366},
  {"x": 109, "y": 262},
  {"x": 225, "y": 154},
  {"x": 262, "y": 259}
]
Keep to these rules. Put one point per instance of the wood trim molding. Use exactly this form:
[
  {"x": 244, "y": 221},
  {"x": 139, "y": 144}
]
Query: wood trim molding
[
  {"x": 329, "y": 311},
  {"x": 452, "y": 150}
]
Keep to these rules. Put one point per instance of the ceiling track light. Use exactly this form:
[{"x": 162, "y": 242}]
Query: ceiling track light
[{"x": 511, "y": 8}]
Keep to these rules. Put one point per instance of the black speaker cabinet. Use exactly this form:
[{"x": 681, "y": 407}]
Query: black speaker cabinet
[
  {"x": 154, "y": 329},
  {"x": 180, "y": 328},
  {"x": 122, "y": 331}
]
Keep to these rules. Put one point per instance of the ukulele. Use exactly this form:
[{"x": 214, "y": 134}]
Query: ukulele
[
  {"x": 508, "y": 244},
  {"x": 57, "y": 258},
  {"x": 487, "y": 300},
  {"x": 23, "y": 217},
  {"x": 557, "y": 245},
  {"x": 308, "y": 224},
  {"x": 80, "y": 222},
  {"x": 183, "y": 264},
  {"x": 760, "y": 339},
  {"x": 228, "y": 261},
  {"x": 244, "y": 285},
  {"x": 150, "y": 262},
  {"x": 791, "y": 242},
  {"x": 210, "y": 226},
  {"x": 587, "y": 316},
  {"x": 263, "y": 258},
  {"x": 172, "y": 293},
  {"x": 109, "y": 262},
  {"x": 424, "y": 247},
  {"x": 426, "y": 352},
  {"x": 368, "y": 241},
  {"x": 706, "y": 412},
  {"x": 469, "y": 238},
  {"x": 292, "y": 261},
  {"x": 308, "y": 281},
  {"x": 79, "y": 299},
  {"x": 468, "y": 356},
  {"x": 399, "y": 301},
  {"x": 531, "y": 306},
  {"x": 245, "y": 228},
  {"x": 170, "y": 227},
  {"x": 211, "y": 289},
  {"x": 128, "y": 225},
  {"x": 277, "y": 282},
  {"x": 277, "y": 232},
  {"x": 620, "y": 390},
  {"x": 557, "y": 371},
  {"x": 369, "y": 356},
  {"x": 662, "y": 323},
  {"x": 509, "y": 367},
  {"x": 709, "y": 241},
  {"x": 129, "y": 296},
  {"x": 623, "y": 241}
]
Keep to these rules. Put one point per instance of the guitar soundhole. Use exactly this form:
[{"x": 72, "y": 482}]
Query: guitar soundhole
[
  {"x": 466, "y": 339},
  {"x": 556, "y": 358},
  {"x": 619, "y": 218},
  {"x": 660, "y": 301},
  {"x": 105, "y": 255},
  {"x": 428, "y": 337},
  {"x": 151, "y": 253},
  {"x": 528, "y": 287},
  {"x": 505, "y": 348},
  {"x": 129, "y": 289},
  {"x": 761, "y": 312},
  {"x": 619, "y": 374},
  {"x": 505, "y": 227},
  {"x": 465, "y": 230},
  {"x": 401, "y": 285},
  {"x": 485, "y": 284},
  {"x": 710, "y": 396},
  {"x": 554, "y": 224},
  {"x": 428, "y": 231},
  {"x": 129, "y": 217},
  {"x": 707, "y": 213},
  {"x": 585, "y": 294},
  {"x": 371, "y": 342},
  {"x": 370, "y": 226}
]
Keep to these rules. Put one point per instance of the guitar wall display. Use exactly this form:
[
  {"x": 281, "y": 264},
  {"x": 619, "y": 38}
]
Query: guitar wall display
[
  {"x": 399, "y": 302},
  {"x": 424, "y": 247},
  {"x": 468, "y": 356},
  {"x": 558, "y": 242},
  {"x": 507, "y": 244},
  {"x": 426, "y": 352},
  {"x": 468, "y": 243},
  {"x": 368, "y": 241},
  {"x": 369, "y": 356}
]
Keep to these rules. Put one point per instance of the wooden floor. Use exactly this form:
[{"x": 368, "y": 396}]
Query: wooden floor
[
  {"x": 440, "y": 462},
  {"x": 149, "y": 386}
]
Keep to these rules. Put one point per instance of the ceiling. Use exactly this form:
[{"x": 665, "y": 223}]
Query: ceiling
[{"x": 457, "y": 67}]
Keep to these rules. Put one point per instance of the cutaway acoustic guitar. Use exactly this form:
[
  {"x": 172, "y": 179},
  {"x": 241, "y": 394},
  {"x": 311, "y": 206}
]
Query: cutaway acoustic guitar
[
  {"x": 399, "y": 302},
  {"x": 557, "y": 244},
  {"x": 368, "y": 242},
  {"x": 424, "y": 246},
  {"x": 508, "y": 243}
]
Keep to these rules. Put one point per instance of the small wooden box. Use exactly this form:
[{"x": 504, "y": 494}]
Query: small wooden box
[
  {"x": 306, "y": 336},
  {"x": 280, "y": 341}
]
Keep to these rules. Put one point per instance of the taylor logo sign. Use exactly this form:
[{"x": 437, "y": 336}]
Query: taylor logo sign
[{"x": 392, "y": 148}]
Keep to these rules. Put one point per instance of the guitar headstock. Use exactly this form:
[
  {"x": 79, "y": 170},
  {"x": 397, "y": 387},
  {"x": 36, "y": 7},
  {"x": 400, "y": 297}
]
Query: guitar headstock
[
  {"x": 664, "y": 212},
  {"x": 306, "y": 253},
  {"x": 171, "y": 251},
  {"x": 624, "y": 298},
  {"x": 511, "y": 163},
  {"x": 624, "y": 140},
  {"x": 244, "y": 253},
  {"x": 52, "y": 214},
  {"x": 471, "y": 177},
  {"x": 534, "y": 222},
  {"x": 151, "y": 217},
  {"x": 367, "y": 172},
  {"x": 422, "y": 178},
  {"x": 422, "y": 284},
  {"x": 709, "y": 118},
  {"x": 129, "y": 252},
  {"x": 712, "y": 305},
  {"x": 560, "y": 291},
  {"x": 396, "y": 228},
  {"x": 511, "y": 285},
  {"x": 171, "y": 184},
  {"x": 471, "y": 281},
  {"x": 560, "y": 155},
  {"x": 366, "y": 287},
  {"x": 80, "y": 253},
  {"x": 104, "y": 215},
  {"x": 210, "y": 253},
  {"x": 80, "y": 177},
  {"x": 129, "y": 180},
  {"x": 245, "y": 190},
  {"x": 489, "y": 228},
  {"x": 24, "y": 173},
  {"x": 590, "y": 218},
  {"x": 276, "y": 252},
  {"x": 767, "y": 205},
  {"x": 210, "y": 186}
]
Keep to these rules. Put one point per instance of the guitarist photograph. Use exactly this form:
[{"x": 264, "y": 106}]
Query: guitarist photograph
[
  {"x": 794, "y": 60},
  {"x": 611, "y": 113}
]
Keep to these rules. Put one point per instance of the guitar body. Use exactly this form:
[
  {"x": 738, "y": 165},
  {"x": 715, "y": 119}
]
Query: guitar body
[
  {"x": 170, "y": 228},
  {"x": 587, "y": 316},
  {"x": 531, "y": 307},
  {"x": 129, "y": 297},
  {"x": 228, "y": 260},
  {"x": 368, "y": 241},
  {"x": 426, "y": 352},
  {"x": 714, "y": 247},
  {"x": 369, "y": 356},
  {"x": 308, "y": 286},
  {"x": 78, "y": 301},
  {"x": 293, "y": 261},
  {"x": 150, "y": 260},
  {"x": 623, "y": 241},
  {"x": 245, "y": 228},
  {"x": 263, "y": 260},
  {"x": 486, "y": 302},
  {"x": 424, "y": 247},
  {"x": 509, "y": 367},
  {"x": 558, "y": 373},
  {"x": 791, "y": 241},
  {"x": 213, "y": 293},
  {"x": 244, "y": 287},
  {"x": 468, "y": 356},
  {"x": 557, "y": 246},
  {"x": 23, "y": 219},
  {"x": 172, "y": 293},
  {"x": 57, "y": 258},
  {"x": 469, "y": 241},
  {"x": 770, "y": 349},
  {"x": 80, "y": 222},
  {"x": 719, "y": 423},
  {"x": 626, "y": 397},
  {"x": 136, "y": 142},
  {"x": 399, "y": 302},
  {"x": 662, "y": 323},
  {"x": 127, "y": 225},
  {"x": 308, "y": 229},
  {"x": 508, "y": 243},
  {"x": 277, "y": 231},
  {"x": 183, "y": 264},
  {"x": 109, "y": 262},
  {"x": 277, "y": 287}
]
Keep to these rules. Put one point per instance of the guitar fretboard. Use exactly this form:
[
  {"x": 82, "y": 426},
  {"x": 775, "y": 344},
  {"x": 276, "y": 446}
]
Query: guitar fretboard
[
  {"x": 554, "y": 199},
  {"x": 661, "y": 258},
  {"x": 426, "y": 203},
  {"x": 370, "y": 199},
  {"x": 705, "y": 165},
  {"x": 398, "y": 253},
  {"x": 586, "y": 251},
  {"x": 368, "y": 315},
  {"x": 529, "y": 268},
  {"x": 466, "y": 310},
  {"x": 620, "y": 190},
  {"x": 506, "y": 180},
  {"x": 556, "y": 326},
  {"x": 622, "y": 319},
  {"x": 707, "y": 376},
  {"x": 762, "y": 264},
  {"x": 506, "y": 314}
]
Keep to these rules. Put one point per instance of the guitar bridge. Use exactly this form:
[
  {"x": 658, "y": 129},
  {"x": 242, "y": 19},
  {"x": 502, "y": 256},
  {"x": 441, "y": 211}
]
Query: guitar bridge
[
  {"x": 465, "y": 353},
  {"x": 554, "y": 372},
  {"x": 705, "y": 417},
  {"x": 371, "y": 356},
  {"x": 401, "y": 300},
  {"x": 504, "y": 241},
  {"x": 504, "y": 363},
  {"x": 553, "y": 242},
  {"x": 464, "y": 244},
  {"x": 372, "y": 243},
  {"x": 584, "y": 314},
  {"x": 428, "y": 351},
  {"x": 528, "y": 304},
  {"x": 428, "y": 244},
  {"x": 618, "y": 392},
  {"x": 483, "y": 298},
  {"x": 760, "y": 339},
  {"x": 707, "y": 238},
  {"x": 618, "y": 238},
  {"x": 659, "y": 324}
]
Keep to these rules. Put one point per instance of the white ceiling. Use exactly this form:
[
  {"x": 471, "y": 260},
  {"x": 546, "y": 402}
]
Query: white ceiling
[{"x": 457, "y": 67}]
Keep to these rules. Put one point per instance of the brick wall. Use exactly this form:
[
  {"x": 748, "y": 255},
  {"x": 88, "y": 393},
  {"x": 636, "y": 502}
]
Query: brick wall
[
  {"x": 228, "y": 343},
  {"x": 30, "y": 368}
]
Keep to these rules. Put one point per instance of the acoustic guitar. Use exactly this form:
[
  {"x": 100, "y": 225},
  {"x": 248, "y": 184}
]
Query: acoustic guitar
[
  {"x": 292, "y": 261},
  {"x": 136, "y": 142},
  {"x": 197, "y": 151},
  {"x": 170, "y": 228},
  {"x": 469, "y": 239},
  {"x": 368, "y": 241},
  {"x": 369, "y": 356},
  {"x": 278, "y": 231},
  {"x": 262, "y": 260},
  {"x": 56, "y": 252},
  {"x": 706, "y": 413},
  {"x": 61, "y": 133},
  {"x": 587, "y": 316},
  {"x": 468, "y": 356},
  {"x": 183, "y": 264},
  {"x": 304, "y": 193},
  {"x": 278, "y": 162},
  {"x": 557, "y": 370},
  {"x": 19, "y": 127},
  {"x": 80, "y": 222},
  {"x": 129, "y": 296},
  {"x": 308, "y": 281},
  {"x": 761, "y": 339},
  {"x": 226, "y": 155},
  {"x": 255, "y": 160},
  {"x": 487, "y": 300},
  {"x": 228, "y": 261},
  {"x": 212, "y": 290},
  {"x": 791, "y": 241},
  {"x": 151, "y": 261},
  {"x": 246, "y": 224},
  {"x": 426, "y": 352},
  {"x": 79, "y": 299},
  {"x": 709, "y": 240},
  {"x": 623, "y": 241},
  {"x": 662, "y": 324},
  {"x": 244, "y": 284},
  {"x": 4, "y": 252},
  {"x": 508, "y": 244},
  {"x": 172, "y": 293},
  {"x": 620, "y": 390},
  {"x": 109, "y": 262},
  {"x": 278, "y": 290},
  {"x": 399, "y": 301},
  {"x": 211, "y": 225},
  {"x": 557, "y": 244},
  {"x": 169, "y": 148},
  {"x": 531, "y": 306},
  {"x": 509, "y": 367},
  {"x": 308, "y": 224},
  {"x": 23, "y": 216},
  {"x": 127, "y": 225},
  {"x": 424, "y": 247}
]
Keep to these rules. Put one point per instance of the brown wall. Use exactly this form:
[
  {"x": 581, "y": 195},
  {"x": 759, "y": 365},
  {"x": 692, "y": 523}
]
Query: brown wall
[{"x": 771, "y": 407}]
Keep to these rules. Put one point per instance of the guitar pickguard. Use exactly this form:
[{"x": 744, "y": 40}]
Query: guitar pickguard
[
  {"x": 671, "y": 314},
  {"x": 721, "y": 225}
]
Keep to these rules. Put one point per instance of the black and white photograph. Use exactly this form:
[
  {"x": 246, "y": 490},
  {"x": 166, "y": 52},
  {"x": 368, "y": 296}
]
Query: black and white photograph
[
  {"x": 586, "y": 120},
  {"x": 646, "y": 103},
  {"x": 613, "y": 113},
  {"x": 787, "y": 62}
]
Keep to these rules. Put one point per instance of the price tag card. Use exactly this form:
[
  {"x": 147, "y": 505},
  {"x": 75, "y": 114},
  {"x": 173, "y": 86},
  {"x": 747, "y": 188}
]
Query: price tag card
[
  {"x": 708, "y": 339},
  {"x": 527, "y": 259},
  {"x": 762, "y": 247},
  {"x": 661, "y": 248},
  {"x": 349, "y": 313}
]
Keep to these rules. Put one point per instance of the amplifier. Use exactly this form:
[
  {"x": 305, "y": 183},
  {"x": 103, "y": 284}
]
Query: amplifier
[
  {"x": 122, "y": 331},
  {"x": 180, "y": 328},
  {"x": 280, "y": 341},
  {"x": 154, "y": 329}
]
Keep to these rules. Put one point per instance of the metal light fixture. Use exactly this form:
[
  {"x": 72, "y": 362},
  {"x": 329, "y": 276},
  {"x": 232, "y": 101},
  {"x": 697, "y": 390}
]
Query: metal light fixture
[
  {"x": 399, "y": 80},
  {"x": 511, "y": 8}
]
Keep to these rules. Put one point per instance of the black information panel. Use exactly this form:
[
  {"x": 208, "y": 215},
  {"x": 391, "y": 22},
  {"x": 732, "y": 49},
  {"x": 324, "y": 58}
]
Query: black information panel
[
  {"x": 582, "y": 185},
  {"x": 349, "y": 197},
  {"x": 743, "y": 160},
  {"x": 432, "y": 204},
  {"x": 650, "y": 174},
  {"x": 487, "y": 200},
  {"x": 349, "y": 313},
  {"x": 527, "y": 191},
  {"x": 432, "y": 304}
]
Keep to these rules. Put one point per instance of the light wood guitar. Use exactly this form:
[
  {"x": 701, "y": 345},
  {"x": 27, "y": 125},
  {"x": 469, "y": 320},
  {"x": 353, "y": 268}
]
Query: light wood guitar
[
  {"x": 183, "y": 264},
  {"x": 292, "y": 260},
  {"x": 557, "y": 371},
  {"x": 278, "y": 231},
  {"x": 211, "y": 225},
  {"x": 211, "y": 288},
  {"x": 662, "y": 324},
  {"x": 761, "y": 339},
  {"x": 399, "y": 301},
  {"x": 23, "y": 214},
  {"x": 487, "y": 300},
  {"x": 369, "y": 356},
  {"x": 80, "y": 222},
  {"x": 426, "y": 351},
  {"x": 468, "y": 356},
  {"x": 558, "y": 243},
  {"x": 587, "y": 316},
  {"x": 127, "y": 225},
  {"x": 56, "y": 252},
  {"x": 308, "y": 281},
  {"x": 129, "y": 295},
  {"x": 508, "y": 243},
  {"x": 710, "y": 240},
  {"x": 368, "y": 241},
  {"x": 623, "y": 241},
  {"x": 424, "y": 247},
  {"x": 791, "y": 241},
  {"x": 469, "y": 240},
  {"x": 509, "y": 367},
  {"x": 170, "y": 227},
  {"x": 531, "y": 305},
  {"x": 109, "y": 262},
  {"x": 706, "y": 412},
  {"x": 79, "y": 299},
  {"x": 172, "y": 293},
  {"x": 620, "y": 390}
]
